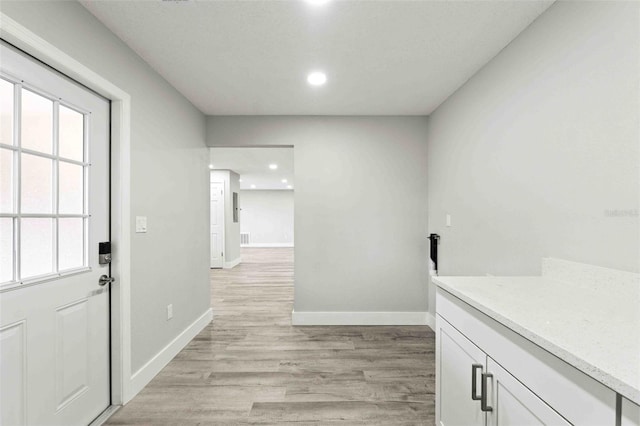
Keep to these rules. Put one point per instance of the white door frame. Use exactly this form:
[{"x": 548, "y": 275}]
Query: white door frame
[{"x": 122, "y": 388}]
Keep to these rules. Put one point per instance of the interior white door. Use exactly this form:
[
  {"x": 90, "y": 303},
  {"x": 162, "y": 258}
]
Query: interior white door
[
  {"x": 217, "y": 224},
  {"x": 455, "y": 357},
  {"x": 54, "y": 209}
]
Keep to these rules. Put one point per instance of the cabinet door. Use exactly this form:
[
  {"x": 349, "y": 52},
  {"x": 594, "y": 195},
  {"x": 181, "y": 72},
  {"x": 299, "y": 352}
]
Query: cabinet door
[
  {"x": 512, "y": 403},
  {"x": 455, "y": 355},
  {"x": 630, "y": 413}
]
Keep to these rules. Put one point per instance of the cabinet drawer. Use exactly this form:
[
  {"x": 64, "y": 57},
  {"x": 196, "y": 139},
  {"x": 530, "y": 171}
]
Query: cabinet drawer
[{"x": 576, "y": 396}]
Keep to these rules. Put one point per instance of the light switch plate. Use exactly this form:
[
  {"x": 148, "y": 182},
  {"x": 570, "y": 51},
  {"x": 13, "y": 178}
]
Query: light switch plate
[
  {"x": 448, "y": 220},
  {"x": 141, "y": 224}
]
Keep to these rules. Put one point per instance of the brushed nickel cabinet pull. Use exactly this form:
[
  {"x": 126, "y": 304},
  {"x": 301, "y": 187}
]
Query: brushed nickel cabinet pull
[
  {"x": 483, "y": 395},
  {"x": 474, "y": 384}
]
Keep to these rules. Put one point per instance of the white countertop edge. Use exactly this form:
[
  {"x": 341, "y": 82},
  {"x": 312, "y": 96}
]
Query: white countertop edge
[{"x": 623, "y": 388}]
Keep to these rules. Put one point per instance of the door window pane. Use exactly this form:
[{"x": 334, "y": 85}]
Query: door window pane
[
  {"x": 37, "y": 122},
  {"x": 36, "y": 184},
  {"x": 71, "y": 188},
  {"x": 43, "y": 176},
  {"x": 6, "y": 249},
  {"x": 6, "y": 181},
  {"x": 70, "y": 243},
  {"x": 6, "y": 112},
  {"x": 36, "y": 247},
  {"x": 71, "y": 138}
]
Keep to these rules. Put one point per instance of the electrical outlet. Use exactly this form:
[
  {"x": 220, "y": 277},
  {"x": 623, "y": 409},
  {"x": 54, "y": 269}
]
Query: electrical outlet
[
  {"x": 169, "y": 311},
  {"x": 141, "y": 224}
]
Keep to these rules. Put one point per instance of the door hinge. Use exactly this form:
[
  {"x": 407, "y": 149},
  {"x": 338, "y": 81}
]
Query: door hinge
[{"x": 221, "y": 254}]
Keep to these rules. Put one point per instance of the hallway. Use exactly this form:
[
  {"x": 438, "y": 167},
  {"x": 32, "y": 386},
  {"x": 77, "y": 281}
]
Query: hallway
[{"x": 250, "y": 366}]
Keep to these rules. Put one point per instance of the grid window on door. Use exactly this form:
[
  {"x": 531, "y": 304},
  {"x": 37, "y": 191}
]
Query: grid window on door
[{"x": 44, "y": 172}]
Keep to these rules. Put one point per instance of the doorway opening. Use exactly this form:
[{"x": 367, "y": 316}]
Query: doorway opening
[
  {"x": 252, "y": 202},
  {"x": 252, "y": 237}
]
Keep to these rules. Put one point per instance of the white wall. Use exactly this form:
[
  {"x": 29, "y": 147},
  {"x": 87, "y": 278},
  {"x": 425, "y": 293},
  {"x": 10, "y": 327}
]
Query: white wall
[
  {"x": 168, "y": 171},
  {"x": 531, "y": 155},
  {"x": 231, "y": 182},
  {"x": 360, "y": 206},
  {"x": 268, "y": 217}
]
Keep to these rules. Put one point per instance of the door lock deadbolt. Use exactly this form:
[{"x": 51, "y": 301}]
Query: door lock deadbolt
[{"x": 104, "y": 253}]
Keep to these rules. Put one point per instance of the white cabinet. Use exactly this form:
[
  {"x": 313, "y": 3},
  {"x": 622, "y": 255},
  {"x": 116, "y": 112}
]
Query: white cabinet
[
  {"x": 454, "y": 378},
  {"x": 473, "y": 389},
  {"x": 512, "y": 403},
  {"x": 630, "y": 413},
  {"x": 516, "y": 381}
]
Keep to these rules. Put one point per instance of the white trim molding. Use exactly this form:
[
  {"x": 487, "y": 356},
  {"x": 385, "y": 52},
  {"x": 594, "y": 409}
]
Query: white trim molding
[
  {"x": 359, "y": 318},
  {"x": 26, "y": 40},
  {"x": 431, "y": 321},
  {"x": 231, "y": 264},
  {"x": 148, "y": 371},
  {"x": 266, "y": 245}
]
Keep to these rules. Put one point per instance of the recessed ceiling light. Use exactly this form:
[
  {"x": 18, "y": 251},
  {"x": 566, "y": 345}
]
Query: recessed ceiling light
[
  {"x": 253, "y": 187},
  {"x": 289, "y": 186},
  {"x": 239, "y": 180},
  {"x": 284, "y": 181},
  {"x": 210, "y": 166},
  {"x": 317, "y": 78},
  {"x": 273, "y": 166},
  {"x": 317, "y": 2}
]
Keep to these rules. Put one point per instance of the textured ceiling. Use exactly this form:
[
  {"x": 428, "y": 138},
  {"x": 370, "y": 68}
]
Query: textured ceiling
[
  {"x": 381, "y": 57},
  {"x": 252, "y": 164}
]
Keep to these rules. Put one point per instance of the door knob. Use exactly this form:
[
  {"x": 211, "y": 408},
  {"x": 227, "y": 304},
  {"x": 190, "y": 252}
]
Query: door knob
[{"x": 105, "y": 279}]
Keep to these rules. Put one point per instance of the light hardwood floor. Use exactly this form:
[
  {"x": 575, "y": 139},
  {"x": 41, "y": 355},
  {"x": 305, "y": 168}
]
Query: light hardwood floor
[{"x": 250, "y": 366}]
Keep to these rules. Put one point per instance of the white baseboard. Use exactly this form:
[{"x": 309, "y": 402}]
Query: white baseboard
[
  {"x": 431, "y": 321},
  {"x": 265, "y": 245},
  {"x": 359, "y": 318},
  {"x": 231, "y": 264},
  {"x": 147, "y": 372}
]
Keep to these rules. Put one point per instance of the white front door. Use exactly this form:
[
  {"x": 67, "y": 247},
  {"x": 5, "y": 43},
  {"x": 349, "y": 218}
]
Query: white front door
[
  {"x": 217, "y": 224},
  {"x": 54, "y": 209}
]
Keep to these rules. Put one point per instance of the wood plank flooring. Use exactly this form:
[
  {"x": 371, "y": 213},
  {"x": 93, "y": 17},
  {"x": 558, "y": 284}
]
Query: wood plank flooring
[{"x": 250, "y": 366}]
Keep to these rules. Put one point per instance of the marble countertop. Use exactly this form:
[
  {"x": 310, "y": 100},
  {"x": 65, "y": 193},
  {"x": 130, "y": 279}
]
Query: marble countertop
[{"x": 591, "y": 323}]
